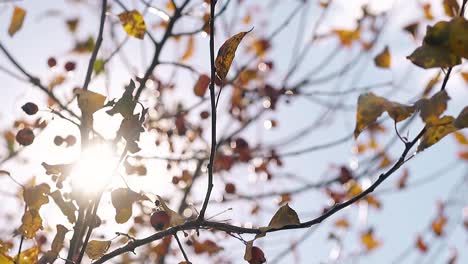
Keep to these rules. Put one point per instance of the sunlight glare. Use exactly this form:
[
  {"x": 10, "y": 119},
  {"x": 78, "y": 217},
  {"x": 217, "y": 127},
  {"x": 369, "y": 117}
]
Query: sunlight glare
[{"x": 94, "y": 169}]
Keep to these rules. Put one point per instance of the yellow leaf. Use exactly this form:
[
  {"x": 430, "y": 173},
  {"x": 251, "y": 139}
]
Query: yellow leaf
[
  {"x": 461, "y": 138},
  {"x": 57, "y": 245},
  {"x": 89, "y": 102},
  {"x": 133, "y": 23},
  {"x": 371, "y": 106},
  {"x": 28, "y": 256},
  {"x": 226, "y": 54},
  {"x": 458, "y": 39},
  {"x": 462, "y": 119},
  {"x": 5, "y": 259},
  {"x": 368, "y": 240},
  {"x": 97, "y": 248},
  {"x": 433, "y": 107},
  {"x": 436, "y": 130},
  {"x": 283, "y": 217},
  {"x": 383, "y": 59},
  {"x": 347, "y": 37},
  {"x": 429, "y": 56},
  {"x": 451, "y": 7},
  {"x": 190, "y": 48},
  {"x": 67, "y": 208},
  {"x": 31, "y": 222},
  {"x": 36, "y": 196},
  {"x": 16, "y": 20},
  {"x": 176, "y": 219},
  {"x": 122, "y": 200},
  {"x": 399, "y": 112},
  {"x": 427, "y": 11},
  {"x": 438, "y": 35}
]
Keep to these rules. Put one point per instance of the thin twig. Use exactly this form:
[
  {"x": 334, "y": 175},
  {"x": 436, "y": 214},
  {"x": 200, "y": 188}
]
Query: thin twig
[
  {"x": 181, "y": 248},
  {"x": 213, "y": 112}
]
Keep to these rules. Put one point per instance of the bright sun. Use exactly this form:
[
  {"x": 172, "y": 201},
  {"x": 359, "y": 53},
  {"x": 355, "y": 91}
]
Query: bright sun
[{"x": 94, "y": 169}]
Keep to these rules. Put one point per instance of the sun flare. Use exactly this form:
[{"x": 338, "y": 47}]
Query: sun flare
[{"x": 94, "y": 169}]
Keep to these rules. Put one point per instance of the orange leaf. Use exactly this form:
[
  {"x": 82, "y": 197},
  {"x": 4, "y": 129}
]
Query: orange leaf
[
  {"x": 16, "y": 20},
  {"x": 368, "y": 240},
  {"x": 383, "y": 59},
  {"x": 438, "y": 225},
  {"x": 420, "y": 244}
]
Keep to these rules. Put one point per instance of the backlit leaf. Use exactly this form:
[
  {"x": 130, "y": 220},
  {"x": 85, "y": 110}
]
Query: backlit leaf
[
  {"x": 67, "y": 208},
  {"x": 31, "y": 222},
  {"x": 126, "y": 104},
  {"x": 122, "y": 200},
  {"x": 98, "y": 67},
  {"x": 57, "y": 245},
  {"x": 383, "y": 59},
  {"x": 226, "y": 54},
  {"x": 89, "y": 101},
  {"x": 28, "y": 256},
  {"x": 97, "y": 248},
  {"x": 460, "y": 137},
  {"x": 36, "y": 196},
  {"x": 16, "y": 21},
  {"x": 133, "y": 23}
]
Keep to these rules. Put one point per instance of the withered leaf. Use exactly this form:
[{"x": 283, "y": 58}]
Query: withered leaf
[
  {"x": 31, "y": 222},
  {"x": 57, "y": 245},
  {"x": 226, "y": 54},
  {"x": 67, "y": 207},
  {"x": 122, "y": 200}
]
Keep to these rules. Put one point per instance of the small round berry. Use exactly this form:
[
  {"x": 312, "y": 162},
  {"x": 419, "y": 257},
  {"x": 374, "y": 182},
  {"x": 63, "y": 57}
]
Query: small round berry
[
  {"x": 160, "y": 220},
  {"x": 25, "y": 136},
  {"x": 30, "y": 108},
  {"x": 70, "y": 66},
  {"x": 51, "y": 62}
]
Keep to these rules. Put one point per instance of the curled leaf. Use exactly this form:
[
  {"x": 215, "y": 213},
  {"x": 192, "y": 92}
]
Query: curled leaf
[
  {"x": 428, "y": 56},
  {"x": 67, "y": 208},
  {"x": 57, "y": 245},
  {"x": 97, "y": 248},
  {"x": 31, "y": 222},
  {"x": 226, "y": 54}
]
